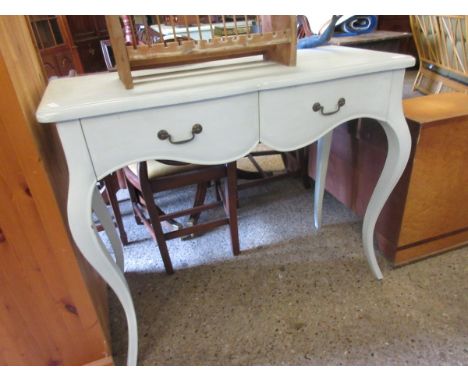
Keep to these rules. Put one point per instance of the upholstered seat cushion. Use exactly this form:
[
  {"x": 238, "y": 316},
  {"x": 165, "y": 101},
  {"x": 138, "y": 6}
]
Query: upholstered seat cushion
[
  {"x": 272, "y": 163},
  {"x": 158, "y": 169}
]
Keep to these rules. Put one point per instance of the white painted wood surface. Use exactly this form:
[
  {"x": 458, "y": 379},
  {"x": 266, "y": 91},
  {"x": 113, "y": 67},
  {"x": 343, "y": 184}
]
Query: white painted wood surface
[
  {"x": 241, "y": 102},
  {"x": 321, "y": 167},
  {"x": 231, "y": 119},
  {"x": 288, "y": 122},
  {"x": 101, "y": 94}
]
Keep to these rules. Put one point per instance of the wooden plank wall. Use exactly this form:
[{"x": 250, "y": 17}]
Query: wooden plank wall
[{"x": 48, "y": 314}]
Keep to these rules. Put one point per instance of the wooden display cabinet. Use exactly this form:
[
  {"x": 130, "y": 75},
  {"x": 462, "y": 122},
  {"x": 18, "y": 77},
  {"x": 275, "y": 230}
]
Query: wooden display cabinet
[
  {"x": 69, "y": 44},
  {"x": 55, "y": 44}
]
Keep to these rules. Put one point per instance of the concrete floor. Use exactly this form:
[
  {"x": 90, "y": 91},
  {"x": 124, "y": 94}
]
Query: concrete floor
[
  {"x": 306, "y": 298},
  {"x": 295, "y": 296}
]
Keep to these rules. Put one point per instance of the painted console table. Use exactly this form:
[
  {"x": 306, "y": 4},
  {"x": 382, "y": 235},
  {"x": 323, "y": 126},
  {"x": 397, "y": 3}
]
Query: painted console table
[{"x": 238, "y": 103}]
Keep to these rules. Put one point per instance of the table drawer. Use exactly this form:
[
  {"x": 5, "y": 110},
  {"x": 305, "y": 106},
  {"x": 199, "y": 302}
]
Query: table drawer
[
  {"x": 229, "y": 130},
  {"x": 288, "y": 120}
]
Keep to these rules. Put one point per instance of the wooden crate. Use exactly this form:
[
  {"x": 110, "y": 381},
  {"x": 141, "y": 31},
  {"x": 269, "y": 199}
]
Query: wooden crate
[{"x": 175, "y": 40}]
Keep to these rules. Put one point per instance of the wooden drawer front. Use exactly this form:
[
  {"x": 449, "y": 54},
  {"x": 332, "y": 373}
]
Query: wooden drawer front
[
  {"x": 287, "y": 118},
  {"x": 230, "y": 130}
]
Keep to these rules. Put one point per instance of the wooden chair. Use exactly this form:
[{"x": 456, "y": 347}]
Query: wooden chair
[
  {"x": 108, "y": 187},
  {"x": 148, "y": 178}
]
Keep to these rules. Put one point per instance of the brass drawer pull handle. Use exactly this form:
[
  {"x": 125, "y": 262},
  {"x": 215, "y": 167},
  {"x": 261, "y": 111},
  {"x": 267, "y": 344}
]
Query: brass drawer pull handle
[
  {"x": 196, "y": 129},
  {"x": 318, "y": 107}
]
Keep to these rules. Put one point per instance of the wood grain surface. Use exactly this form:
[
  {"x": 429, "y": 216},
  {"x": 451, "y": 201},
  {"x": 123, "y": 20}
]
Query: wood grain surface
[{"x": 47, "y": 313}]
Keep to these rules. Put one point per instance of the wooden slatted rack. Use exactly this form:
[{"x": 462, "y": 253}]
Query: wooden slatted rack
[{"x": 142, "y": 42}]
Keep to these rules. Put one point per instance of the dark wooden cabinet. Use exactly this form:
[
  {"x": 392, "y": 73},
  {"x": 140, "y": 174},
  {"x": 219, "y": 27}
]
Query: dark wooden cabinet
[
  {"x": 69, "y": 43},
  {"x": 87, "y": 32},
  {"x": 399, "y": 23}
]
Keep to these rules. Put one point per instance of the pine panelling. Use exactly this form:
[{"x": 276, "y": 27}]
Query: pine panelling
[{"x": 47, "y": 315}]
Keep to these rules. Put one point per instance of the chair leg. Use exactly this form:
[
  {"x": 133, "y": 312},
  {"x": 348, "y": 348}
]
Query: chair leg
[
  {"x": 134, "y": 199},
  {"x": 153, "y": 214},
  {"x": 217, "y": 187},
  {"x": 285, "y": 160},
  {"x": 199, "y": 200},
  {"x": 303, "y": 159},
  {"x": 171, "y": 223},
  {"x": 111, "y": 196},
  {"x": 118, "y": 216},
  {"x": 159, "y": 234},
  {"x": 200, "y": 196},
  {"x": 231, "y": 199}
]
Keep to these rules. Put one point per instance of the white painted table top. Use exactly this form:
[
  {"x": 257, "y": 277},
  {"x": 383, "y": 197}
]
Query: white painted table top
[{"x": 103, "y": 93}]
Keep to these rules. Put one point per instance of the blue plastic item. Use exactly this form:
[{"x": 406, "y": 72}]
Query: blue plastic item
[
  {"x": 319, "y": 39},
  {"x": 354, "y": 25}
]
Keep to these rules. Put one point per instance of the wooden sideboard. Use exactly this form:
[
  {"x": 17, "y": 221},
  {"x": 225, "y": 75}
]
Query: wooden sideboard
[
  {"x": 427, "y": 211},
  {"x": 52, "y": 304}
]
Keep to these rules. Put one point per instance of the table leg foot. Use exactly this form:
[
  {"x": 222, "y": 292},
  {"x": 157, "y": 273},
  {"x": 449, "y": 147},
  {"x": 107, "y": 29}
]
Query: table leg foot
[{"x": 399, "y": 146}]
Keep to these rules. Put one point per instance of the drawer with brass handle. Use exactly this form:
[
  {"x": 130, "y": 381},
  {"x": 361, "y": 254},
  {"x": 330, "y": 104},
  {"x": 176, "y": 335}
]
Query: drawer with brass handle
[
  {"x": 196, "y": 129},
  {"x": 190, "y": 132},
  {"x": 294, "y": 116}
]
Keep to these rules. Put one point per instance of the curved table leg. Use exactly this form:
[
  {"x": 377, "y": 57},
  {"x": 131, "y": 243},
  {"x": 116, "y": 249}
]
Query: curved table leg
[
  {"x": 321, "y": 166},
  {"x": 92, "y": 248},
  {"x": 81, "y": 199},
  {"x": 399, "y": 147}
]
